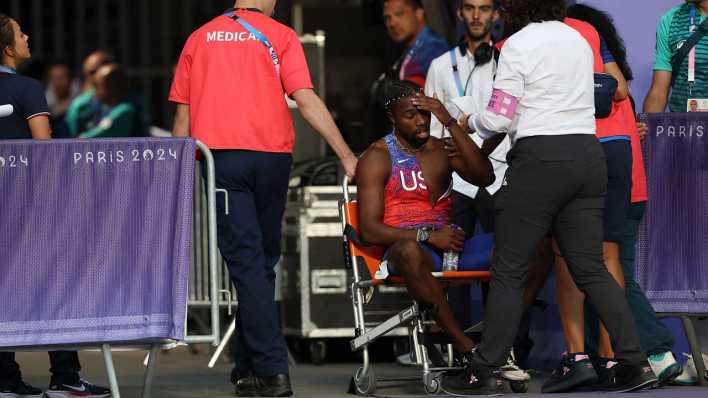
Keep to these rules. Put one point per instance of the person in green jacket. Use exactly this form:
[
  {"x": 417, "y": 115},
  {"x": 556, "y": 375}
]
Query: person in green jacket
[
  {"x": 117, "y": 117},
  {"x": 86, "y": 106},
  {"x": 674, "y": 29}
]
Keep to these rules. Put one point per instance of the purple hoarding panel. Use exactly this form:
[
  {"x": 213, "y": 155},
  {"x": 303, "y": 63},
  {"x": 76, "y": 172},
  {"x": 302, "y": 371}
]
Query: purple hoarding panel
[
  {"x": 672, "y": 255},
  {"x": 94, "y": 240}
]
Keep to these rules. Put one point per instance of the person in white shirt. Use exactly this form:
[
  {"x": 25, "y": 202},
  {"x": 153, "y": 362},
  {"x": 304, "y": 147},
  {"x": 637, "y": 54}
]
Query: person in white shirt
[
  {"x": 543, "y": 98},
  {"x": 463, "y": 80}
]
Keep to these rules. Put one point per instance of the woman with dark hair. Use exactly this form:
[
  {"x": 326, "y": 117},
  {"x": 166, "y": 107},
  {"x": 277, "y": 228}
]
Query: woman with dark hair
[
  {"x": 626, "y": 184},
  {"x": 543, "y": 98},
  {"x": 25, "y": 115},
  {"x": 29, "y": 117}
]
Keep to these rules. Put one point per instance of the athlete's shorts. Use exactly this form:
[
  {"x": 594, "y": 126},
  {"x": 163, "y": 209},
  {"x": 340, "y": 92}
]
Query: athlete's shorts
[{"x": 475, "y": 256}]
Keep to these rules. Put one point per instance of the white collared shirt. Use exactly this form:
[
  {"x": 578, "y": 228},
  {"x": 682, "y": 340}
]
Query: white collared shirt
[
  {"x": 544, "y": 85},
  {"x": 441, "y": 81}
]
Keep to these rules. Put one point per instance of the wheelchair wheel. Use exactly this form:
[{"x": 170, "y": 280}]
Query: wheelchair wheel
[
  {"x": 519, "y": 387},
  {"x": 365, "y": 383},
  {"x": 433, "y": 385}
]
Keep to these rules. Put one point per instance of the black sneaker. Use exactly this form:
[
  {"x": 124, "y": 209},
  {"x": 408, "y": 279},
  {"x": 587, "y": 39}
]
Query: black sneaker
[
  {"x": 80, "y": 389},
  {"x": 605, "y": 377},
  {"x": 570, "y": 375},
  {"x": 20, "y": 390},
  {"x": 474, "y": 379},
  {"x": 628, "y": 378}
]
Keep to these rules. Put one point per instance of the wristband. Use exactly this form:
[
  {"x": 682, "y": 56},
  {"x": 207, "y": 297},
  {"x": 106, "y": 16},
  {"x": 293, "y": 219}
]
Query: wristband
[{"x": 450, "y": 122}]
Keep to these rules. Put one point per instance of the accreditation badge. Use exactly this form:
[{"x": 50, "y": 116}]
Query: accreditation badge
[{"x": 697, "y": 105}]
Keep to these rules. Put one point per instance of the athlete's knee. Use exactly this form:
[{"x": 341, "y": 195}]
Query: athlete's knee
[{"x": 408, "y": 256}]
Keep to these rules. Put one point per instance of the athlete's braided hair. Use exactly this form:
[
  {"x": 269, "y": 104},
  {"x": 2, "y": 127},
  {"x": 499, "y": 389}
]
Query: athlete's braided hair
[{"x": 396, "y": 90}]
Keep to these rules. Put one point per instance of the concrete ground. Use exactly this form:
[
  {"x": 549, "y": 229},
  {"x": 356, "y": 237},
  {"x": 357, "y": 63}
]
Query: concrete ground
[{"x": 182, "y": 374}]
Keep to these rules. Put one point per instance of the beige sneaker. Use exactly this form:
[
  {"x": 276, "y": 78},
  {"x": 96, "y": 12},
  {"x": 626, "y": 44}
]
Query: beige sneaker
[
  {"x": 510, "y": 371},
  {"x": 689, "y": 376}
]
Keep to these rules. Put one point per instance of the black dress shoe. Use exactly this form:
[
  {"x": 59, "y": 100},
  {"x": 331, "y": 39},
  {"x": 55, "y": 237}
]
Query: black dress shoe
[
  {"x": 246, "y": 387},
  {"x": 273, "y": 386}
]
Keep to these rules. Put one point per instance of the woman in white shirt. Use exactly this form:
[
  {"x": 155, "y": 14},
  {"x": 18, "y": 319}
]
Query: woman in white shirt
[{"x": 543, "y": 98}]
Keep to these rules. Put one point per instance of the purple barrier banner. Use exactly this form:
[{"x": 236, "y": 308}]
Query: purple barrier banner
[
  {"x": 672, "y": 253},
  {"x": 94, "y": 240}
]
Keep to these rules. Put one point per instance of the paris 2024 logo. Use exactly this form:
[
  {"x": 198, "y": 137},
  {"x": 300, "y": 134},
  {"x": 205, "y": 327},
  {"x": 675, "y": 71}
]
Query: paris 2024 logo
[{"x": 123, "y": 156}]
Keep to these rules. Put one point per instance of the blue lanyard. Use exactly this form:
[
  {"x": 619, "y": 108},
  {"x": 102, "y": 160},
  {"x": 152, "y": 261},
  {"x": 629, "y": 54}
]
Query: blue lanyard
[
  {"x": 456, "y": 72},
  {"x": 6, "y": 69},
  {"x": 692, "y": 26},
  {"x": 273, "y": 55},
  {"x": 409, "y": 55}
]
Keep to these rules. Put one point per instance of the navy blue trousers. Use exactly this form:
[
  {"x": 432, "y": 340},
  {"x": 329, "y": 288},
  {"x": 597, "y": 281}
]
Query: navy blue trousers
[{"x": 249, "y": 240}]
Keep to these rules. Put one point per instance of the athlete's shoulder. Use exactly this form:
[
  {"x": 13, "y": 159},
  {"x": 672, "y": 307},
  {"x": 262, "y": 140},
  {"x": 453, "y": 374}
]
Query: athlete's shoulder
[{"x": 378, "y": 148}]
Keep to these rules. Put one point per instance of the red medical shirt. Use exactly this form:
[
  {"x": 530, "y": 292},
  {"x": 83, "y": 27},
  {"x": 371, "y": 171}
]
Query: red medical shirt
[{"x": 229, "y": 81}]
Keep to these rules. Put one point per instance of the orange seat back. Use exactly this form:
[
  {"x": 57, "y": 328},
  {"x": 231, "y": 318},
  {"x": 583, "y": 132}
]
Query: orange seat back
[{"x": 370, "y": 254}]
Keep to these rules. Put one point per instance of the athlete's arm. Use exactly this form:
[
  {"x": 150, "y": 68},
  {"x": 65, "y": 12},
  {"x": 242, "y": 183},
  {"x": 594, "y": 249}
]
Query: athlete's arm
[
  {"x": 473, "y": 166},
  {"x": 491, "y": 144}
]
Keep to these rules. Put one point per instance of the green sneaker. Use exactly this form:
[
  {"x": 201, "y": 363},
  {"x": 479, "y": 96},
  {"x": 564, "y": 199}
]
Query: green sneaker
[{"x": 665, "y": 367}]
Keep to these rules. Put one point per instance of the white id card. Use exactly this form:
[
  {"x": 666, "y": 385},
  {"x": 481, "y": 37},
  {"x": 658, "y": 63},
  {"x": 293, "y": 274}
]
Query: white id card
[{"x": 697, "y": 105}]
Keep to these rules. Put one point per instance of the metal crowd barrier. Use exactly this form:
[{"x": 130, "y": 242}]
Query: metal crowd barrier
[
  {"x": 208, "y": 277},
  {"x": 200, "y": 274}
]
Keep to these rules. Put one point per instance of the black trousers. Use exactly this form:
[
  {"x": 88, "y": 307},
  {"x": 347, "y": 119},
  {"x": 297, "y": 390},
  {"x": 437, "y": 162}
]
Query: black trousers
[
  {"x": 65, "y": 368},
  {"x": 554, "y": 184}
]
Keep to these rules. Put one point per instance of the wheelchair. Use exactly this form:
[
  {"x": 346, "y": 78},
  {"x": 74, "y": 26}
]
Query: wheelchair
[{"x": 364, "y": 261}]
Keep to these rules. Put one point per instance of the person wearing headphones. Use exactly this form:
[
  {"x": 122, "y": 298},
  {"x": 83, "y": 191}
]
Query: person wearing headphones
[
  {"x": 24, "y": 114},
  {"x": 467, "y": 71}
]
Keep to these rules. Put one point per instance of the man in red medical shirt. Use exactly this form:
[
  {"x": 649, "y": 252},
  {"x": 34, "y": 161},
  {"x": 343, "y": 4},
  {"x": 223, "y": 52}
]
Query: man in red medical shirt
[{"x": 230, "y": 86}]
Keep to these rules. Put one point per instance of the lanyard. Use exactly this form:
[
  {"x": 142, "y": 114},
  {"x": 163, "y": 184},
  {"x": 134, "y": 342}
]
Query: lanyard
[
  {"x": 456, "y": 72},
  {"x": 273, "y": 55},
  {"x": 5, "y": 69},
  {"x": 409, "y": 57},
  {"x": 692, "y": 26}
]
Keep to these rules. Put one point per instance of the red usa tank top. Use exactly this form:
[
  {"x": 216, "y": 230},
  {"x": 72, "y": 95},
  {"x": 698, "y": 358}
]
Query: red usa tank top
[{"x": 406, "y": 198}]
